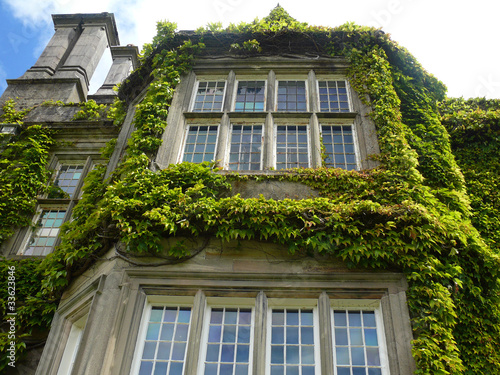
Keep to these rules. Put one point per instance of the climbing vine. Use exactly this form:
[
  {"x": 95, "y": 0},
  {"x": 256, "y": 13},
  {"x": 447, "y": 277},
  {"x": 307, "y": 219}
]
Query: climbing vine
[{"x": 411, "y": 214}]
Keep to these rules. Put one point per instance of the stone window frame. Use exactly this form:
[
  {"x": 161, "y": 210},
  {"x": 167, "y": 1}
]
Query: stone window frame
[
  {"x": 271, "y": 71},
  {"x": 144, "y": 287}
]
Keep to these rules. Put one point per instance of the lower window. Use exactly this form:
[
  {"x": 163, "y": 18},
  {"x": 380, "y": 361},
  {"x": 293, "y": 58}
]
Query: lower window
[
  {"x": 164, "y": 349},
  {"x": 356, "y": 342},
  {"x": 293, "y": 341},
  {"x": 292, "y": 147},
  {"x": 45, "y": 234},
  {"x": 223, "y": 341},
  {"x": 200, "y": 143},
  {"x": 338, "y": 142}
]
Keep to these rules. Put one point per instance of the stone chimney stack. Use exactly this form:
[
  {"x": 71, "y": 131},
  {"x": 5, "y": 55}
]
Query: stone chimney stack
[{"x": 65, "y": 68}]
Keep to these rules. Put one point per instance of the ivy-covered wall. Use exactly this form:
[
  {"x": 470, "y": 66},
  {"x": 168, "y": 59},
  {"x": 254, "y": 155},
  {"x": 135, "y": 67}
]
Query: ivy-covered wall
[{"x": 420, "y": 213}]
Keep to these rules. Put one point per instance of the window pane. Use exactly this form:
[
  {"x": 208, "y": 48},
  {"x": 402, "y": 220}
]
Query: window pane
[
  {"x": 292, "y": 149},
  {"x": 338, "y": 144},
  {"x": 200, "y": 143},
  {"x": 292, "y": 96},
  {"x": 228, "y": 347},
  {"x": 333, "y": 96},
  {"x": 166, "y": 340},
  {"x": 246, "y": 147},
  {"x": 356, "y": 345},
  {"x": 209, "y": 97},
  {"x": 250, "y": 96},
  {"x": 46, "y": 232},
  {"x": 66, "y": 180},
  {"x": 292, "y": 341}
]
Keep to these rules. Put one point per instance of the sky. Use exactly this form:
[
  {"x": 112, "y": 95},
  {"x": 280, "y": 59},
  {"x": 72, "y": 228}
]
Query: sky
[{"x": 455, "y": 40}]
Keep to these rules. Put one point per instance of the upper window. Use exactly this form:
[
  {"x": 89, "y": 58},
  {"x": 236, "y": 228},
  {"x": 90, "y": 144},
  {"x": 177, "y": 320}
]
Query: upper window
[
  {"x": 250, "y": 96},
  {"x": 292, "y": 96},
  {"x": 258, "y": 123},
  {"x": 209, "y": 96},
  {"x": 333, "y": 96},
  {"x": 67, "y": 179}
]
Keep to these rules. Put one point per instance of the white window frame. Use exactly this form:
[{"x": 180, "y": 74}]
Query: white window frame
[
  {"x": 363, "y": 305},
  {"x": 289, "y": 303},
  {"x": 72, "y": 346},
  {"x": 58, "y": 169},
  {"x": 249, "y": 78},
  {"x": 31, "y": 231},
  {"x": 223, "y": 302},
  {"x": 200, "y": 333},
  {"x": 161, "y": 301}
]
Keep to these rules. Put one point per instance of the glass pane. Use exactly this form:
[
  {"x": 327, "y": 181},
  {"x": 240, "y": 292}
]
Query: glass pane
[
  {"x": 356, "y": 347},
  {"x": 227, "y": 325},
  {"x": 292, "y": 340},
  {"x": 163, "y": 352}
]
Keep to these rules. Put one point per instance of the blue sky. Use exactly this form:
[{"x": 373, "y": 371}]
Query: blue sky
[{"x": 455, "y": 40}]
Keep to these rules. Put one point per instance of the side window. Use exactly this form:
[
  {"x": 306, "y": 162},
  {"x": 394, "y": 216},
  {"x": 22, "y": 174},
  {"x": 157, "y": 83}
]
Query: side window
[
  {"x": 66, "y": 181},
  {"x": 72, "y": 346},
  {"x": 54, "y": 207}
]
